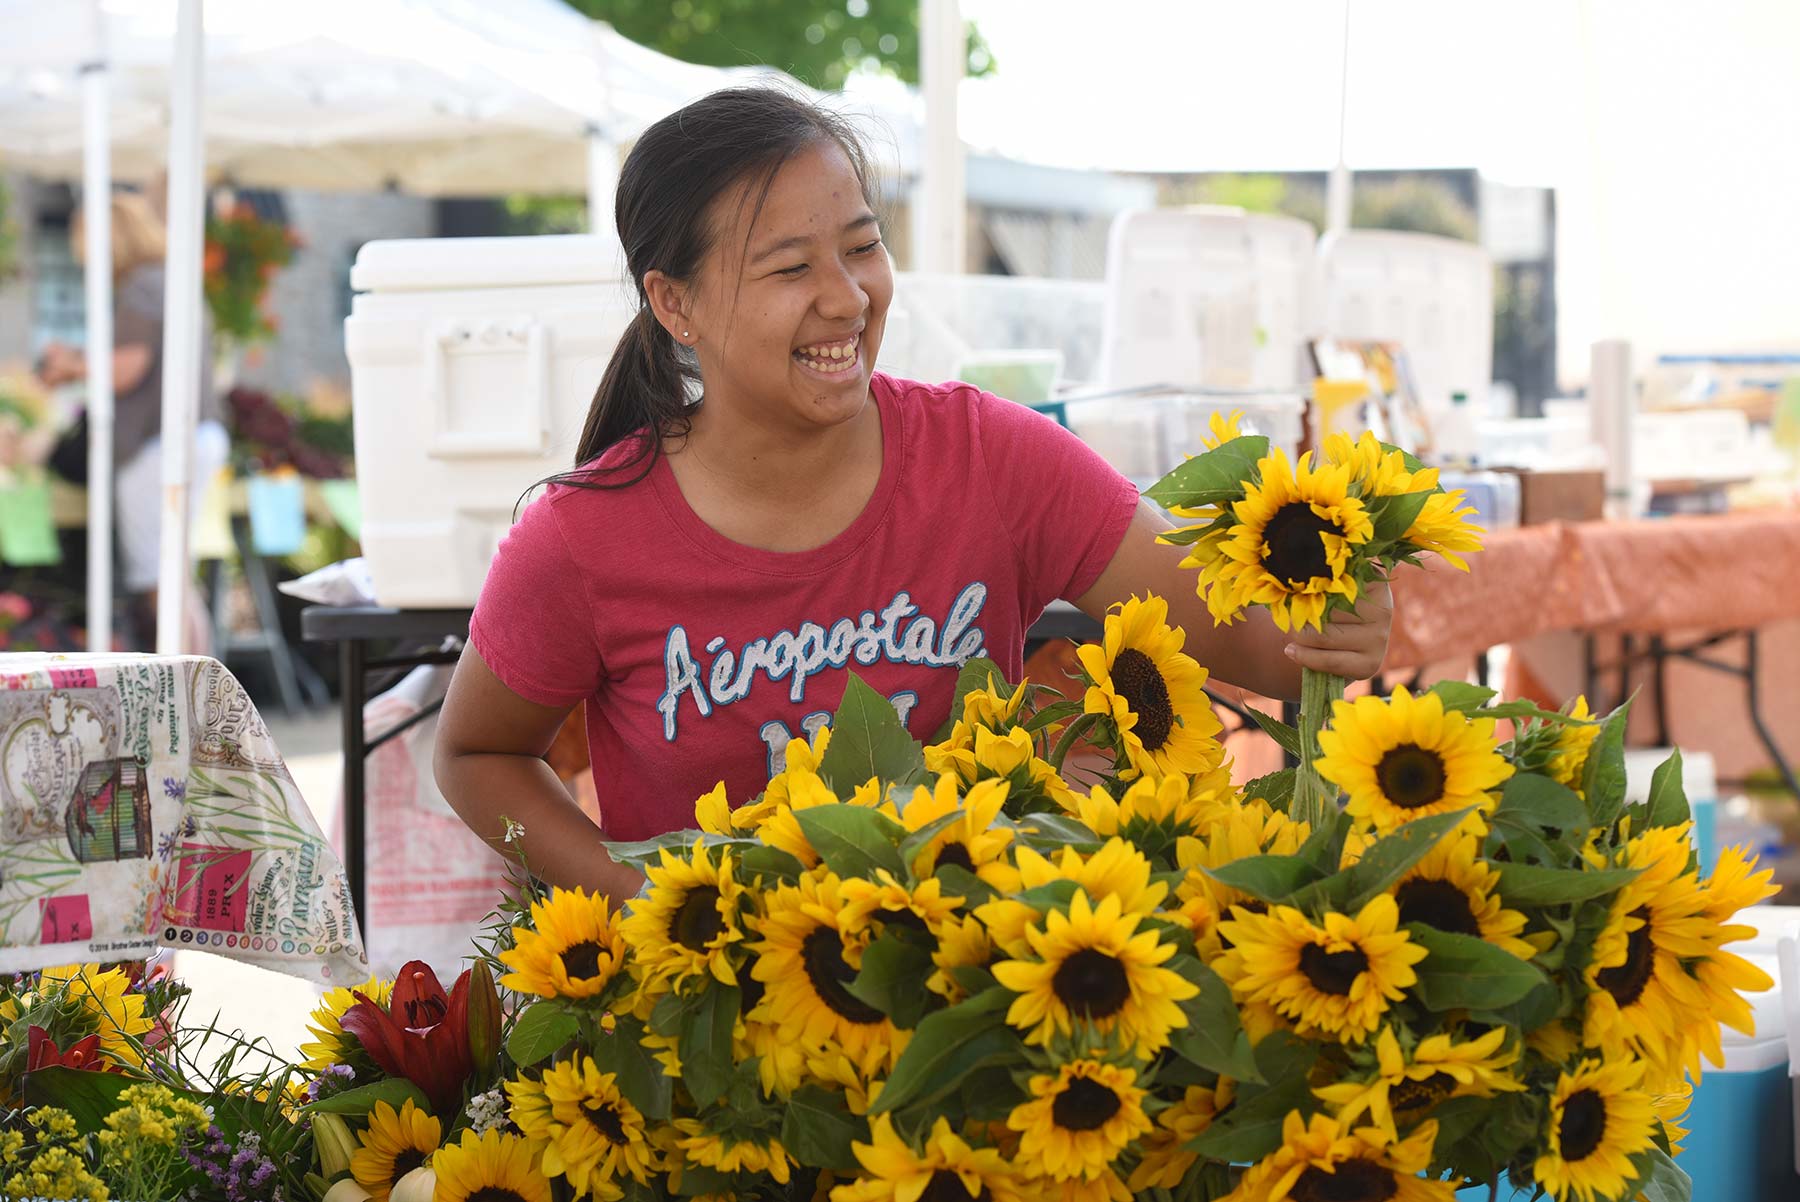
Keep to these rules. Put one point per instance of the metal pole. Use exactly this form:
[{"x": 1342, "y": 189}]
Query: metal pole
[
  {"x": 1337, "y": 190},
  {"x": 182, "y": 329},
  {"x": 96, "y": 192},
  {"x": 942, "y": 192},
  {"x": 602, "y": 182}
]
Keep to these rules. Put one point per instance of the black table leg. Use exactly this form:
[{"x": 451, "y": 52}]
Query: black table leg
[
  {"x": 1751, "y": 694},
  {"x": 351, "y": 656}
]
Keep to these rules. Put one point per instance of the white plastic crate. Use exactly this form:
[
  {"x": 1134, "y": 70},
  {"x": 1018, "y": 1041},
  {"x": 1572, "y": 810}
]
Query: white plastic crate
[
  {"x": 473, "y": 362},
  {"x": 1147, "y": 433}
]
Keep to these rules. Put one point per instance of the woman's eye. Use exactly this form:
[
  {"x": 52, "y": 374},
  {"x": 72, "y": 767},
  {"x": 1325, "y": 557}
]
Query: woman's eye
[
  {"x": 866, "y": 247},
  {"x": 796, "y": 269}
]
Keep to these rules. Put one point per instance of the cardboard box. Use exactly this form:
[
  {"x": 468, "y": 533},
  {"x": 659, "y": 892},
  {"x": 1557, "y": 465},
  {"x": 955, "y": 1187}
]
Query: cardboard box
[{"x": 1578, "y": 496}]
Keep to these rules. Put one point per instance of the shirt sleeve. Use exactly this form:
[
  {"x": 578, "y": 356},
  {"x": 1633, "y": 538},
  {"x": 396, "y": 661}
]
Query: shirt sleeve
[
  {"x": 1065, "y": 508},
  {"x": 533, "y": 625}
]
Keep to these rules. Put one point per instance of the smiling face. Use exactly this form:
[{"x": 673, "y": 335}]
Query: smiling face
[{"x": 788, "y": 310}]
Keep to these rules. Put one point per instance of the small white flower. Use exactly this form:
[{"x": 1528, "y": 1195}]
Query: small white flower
[{"x": 487, "y": 1111}]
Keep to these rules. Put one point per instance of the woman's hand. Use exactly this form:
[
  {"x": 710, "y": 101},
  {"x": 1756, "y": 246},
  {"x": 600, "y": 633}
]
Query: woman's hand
[
  {"x": 1353, "y": 644},
  {"x": 60, "y": 364}
]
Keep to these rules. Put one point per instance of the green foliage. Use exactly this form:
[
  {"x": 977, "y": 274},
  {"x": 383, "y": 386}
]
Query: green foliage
[
  {"x": 537, "y": 1033},
  {"x": 868, "y": 742}
]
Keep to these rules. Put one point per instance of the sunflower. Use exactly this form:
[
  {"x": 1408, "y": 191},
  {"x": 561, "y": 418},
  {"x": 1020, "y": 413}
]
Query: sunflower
[
  {"x": 973, "y": 843},
  {"x": 1235, "y": 832},
  {"x": 1721, "y": 976},
  {"x": 108, "y": 1007},
  {"x": 1451, "y": 889},
  {"x": 331, "y": 1044},
  {"x": 1156, "y": 813},
  {"x": 1107, "y": 1187},
  {"x": 1671, "y": 1108},
  {"x": 1407, "y": 757},
  {"x": 1375, "y": 470},
  {"x": 1221, "y": 429},
  {"x": 589, "y": 1132},
  {"x": 1320, "y": 1161},
  {"x": 1338, "y": 979},
  {"x": 1165, "y": 1157},
  {"x": 1407, "y": 1085},
  {"x": 949, "y": 1169},
  {"x": 976, "y": 754},
  {"x": 1568, "y": 758},
  {"x": 1117, "y": 870},
  {"x": 811, "y": 947},
  {"x": 962, "y": 943},
  {"x": 1093, "y": 964},
  {"x": 922, "y": 907},
  {"x": 1442, "y": 527},
  {"x": 732, "y": 1151},
  {"x": 1290, "y": 549},
  {"x": 573, "y": 948},
  {"x": 491, "y": 1167},
  {"x": 687, "y": 925},
  {"x": 1599, "y": 1119},
  {"x": 395, "y": 1143},
  {"x": 986, "y": 707},
  {"x": 1154, "y": 694},
  {"x": 1078, "y": 1120}
]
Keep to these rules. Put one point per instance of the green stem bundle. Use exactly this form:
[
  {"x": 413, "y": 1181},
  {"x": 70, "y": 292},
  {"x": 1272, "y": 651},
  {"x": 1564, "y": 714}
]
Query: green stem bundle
[{"x": 1315, "y": 799}]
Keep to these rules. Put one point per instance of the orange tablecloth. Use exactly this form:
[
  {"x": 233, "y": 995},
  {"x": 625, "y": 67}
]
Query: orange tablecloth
[{"x": 1655, "y": 576}]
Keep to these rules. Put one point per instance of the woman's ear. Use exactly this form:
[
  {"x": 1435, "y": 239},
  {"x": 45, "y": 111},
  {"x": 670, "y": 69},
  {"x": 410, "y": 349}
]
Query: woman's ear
[{"x": 669, "y": 302}]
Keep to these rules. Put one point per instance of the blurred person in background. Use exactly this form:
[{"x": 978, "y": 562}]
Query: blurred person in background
[{"x": 138, "y": 246}]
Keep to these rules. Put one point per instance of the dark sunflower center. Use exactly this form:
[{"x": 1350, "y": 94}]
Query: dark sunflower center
[
  {"x": 823, "y": 952},
  {"x": 1332, "y": 972},
  {"x": 1135, "y": 678},
  {"x": 1296, "y": 552},
  {"x": 1410, "y": 1094},
  {"x": 697, "y": 923},
  {"x": 408, "y": 1160},
  {"x": 946, "y": 1186},
  {"x": 752, "y": 992},
  {"x": 1438, "y": 904},
  {"x": 582, "y": 960},
  {"x": 1092, "y": 983},
  {"x": 496, "y": 1193},
  {"x": 1084, "y": 1105},
  {"x": 1411, "y": 776},
  {"x": 957, "y": 854},
  {"x": 1583, "y": 1124},
  {"x": 1626, "y": 981},
  {"x": 1354, "y": 1181},
  {"x": 605, "y": 1120}
]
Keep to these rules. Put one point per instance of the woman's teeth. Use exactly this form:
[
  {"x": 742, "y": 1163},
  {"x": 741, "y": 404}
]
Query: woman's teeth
[{"x": 829, "y": 358}]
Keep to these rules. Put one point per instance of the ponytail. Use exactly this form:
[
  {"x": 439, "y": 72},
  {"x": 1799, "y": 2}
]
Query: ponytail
[{"x": 667, "y": 191}]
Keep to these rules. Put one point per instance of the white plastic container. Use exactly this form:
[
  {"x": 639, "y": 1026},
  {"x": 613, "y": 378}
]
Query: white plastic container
[
  {"x": 472, "y": 365},
  {"x": 1207, "y": 297},
  {"x": 1146, "y": 433}
]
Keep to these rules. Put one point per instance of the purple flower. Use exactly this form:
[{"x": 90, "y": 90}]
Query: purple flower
[
  {"x": 175, "y": 790},
  {"x": 334, "y": 1079}
]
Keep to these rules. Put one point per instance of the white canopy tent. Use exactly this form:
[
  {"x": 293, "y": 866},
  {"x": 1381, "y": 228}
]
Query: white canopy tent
[{"x": 435, "y": 97}]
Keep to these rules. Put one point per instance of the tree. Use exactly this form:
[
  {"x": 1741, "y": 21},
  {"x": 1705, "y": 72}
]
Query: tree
[{"x": 818, "y": 41}]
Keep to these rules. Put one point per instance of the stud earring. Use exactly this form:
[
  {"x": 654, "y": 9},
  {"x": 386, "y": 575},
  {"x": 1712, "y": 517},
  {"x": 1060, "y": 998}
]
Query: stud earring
[{"x": 686, "y": 334}]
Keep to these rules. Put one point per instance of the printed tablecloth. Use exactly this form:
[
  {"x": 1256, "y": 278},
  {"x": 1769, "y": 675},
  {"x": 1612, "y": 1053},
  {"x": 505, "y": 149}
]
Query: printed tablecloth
[{"x": 144, "y": 805}]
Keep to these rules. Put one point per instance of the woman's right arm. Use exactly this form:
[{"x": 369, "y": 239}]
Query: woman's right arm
[{"x": 489, "y": 763}]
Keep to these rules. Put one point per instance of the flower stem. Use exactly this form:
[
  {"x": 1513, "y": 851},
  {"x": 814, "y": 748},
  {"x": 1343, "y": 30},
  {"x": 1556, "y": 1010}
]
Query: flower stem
[
  {"x": 1070, "y": 737},
  {"x": 1315, "y": 800}
]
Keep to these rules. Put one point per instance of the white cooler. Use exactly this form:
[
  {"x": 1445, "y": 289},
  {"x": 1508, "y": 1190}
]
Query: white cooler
[{"x": 472, "y": 365}]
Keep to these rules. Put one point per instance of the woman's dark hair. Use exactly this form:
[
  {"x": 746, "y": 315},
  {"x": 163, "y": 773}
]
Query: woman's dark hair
[{"x": 736, "y": 138}]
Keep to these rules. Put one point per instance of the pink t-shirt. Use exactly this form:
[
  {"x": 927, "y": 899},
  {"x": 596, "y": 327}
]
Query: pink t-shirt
[{"x": 700, "y": 658}]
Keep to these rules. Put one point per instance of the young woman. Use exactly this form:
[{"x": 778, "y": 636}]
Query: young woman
[{"x": 756, "y": 512}]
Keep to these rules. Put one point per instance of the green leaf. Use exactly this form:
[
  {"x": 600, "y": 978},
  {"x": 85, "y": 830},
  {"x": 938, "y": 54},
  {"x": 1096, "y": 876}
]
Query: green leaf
[
  {"x": 946, "y": 1048},
  {"x": 1056, "y": 711},
  {"x": 1466, "y": 973},
  {"x": 1660, "y": 1179},
  {"x": 648, "y": 852},
  {"x": 1542, "y": 802},
  {"x": 868, "y": 741},
  {"x": 700, "y": 1181},
  {"x": 640, "y": 1075},
  {"x": 817, "y": 1130},
  {"x": 1394, "y": 515},
  {"x": 1271, "y": 879},
  {"x": 1182, "y": 536},
  {"x": 1276, "y": 729},
  {"x": 893, "y": 971},
  {"x": 539, "y": 1031},
  {"x": 1381, "y": 865},
  {"x": 1528, "y": 1013},
  {"x": 1213, "y": 1038},
  {"x": 90, "y": 1096},
  {"x": 1055, "y": 830},
  {"x": 1525, "y": 711},
  {"x": 1324, "y": 847},
  {"x": 914, "y": 843},
  {"x": 853, "y": 840},
  {"x": 395, "y": 1091},
  {"x": 1603, "y": 782},
  {"x": 1668, "y": 794},
  {"x": 960, "y": 882},
  {"x": 1532, "y": 885},
  {"x": 1277, "y": 788},
  {"x": 1251, "y": 1129},
  {"x": 765, "y": 861},
  {"x": 1213, "y": 477},
  {"x": 1461, "y": 696},
  {"x": 706, "y": 1063}
]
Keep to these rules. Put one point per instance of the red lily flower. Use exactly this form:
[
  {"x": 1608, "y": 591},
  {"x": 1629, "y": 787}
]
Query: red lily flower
[
  {"x": 422, "y": 1036},
  {"x": 41, "y": 1052}
]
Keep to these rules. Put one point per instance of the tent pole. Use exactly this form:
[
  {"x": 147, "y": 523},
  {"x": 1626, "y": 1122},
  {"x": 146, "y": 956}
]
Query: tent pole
[
  {"x": 602, "y": 182},
  {"x": 1338, "y": 186},
  {"x": 182, "y": 328},
  {"x": 96, "y": 197},
  {"x": 941, "y": 193}
]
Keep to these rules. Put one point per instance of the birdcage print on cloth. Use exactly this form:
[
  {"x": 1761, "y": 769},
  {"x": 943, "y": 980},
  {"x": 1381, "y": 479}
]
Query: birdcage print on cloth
[{"x": 109, "y": 814}]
